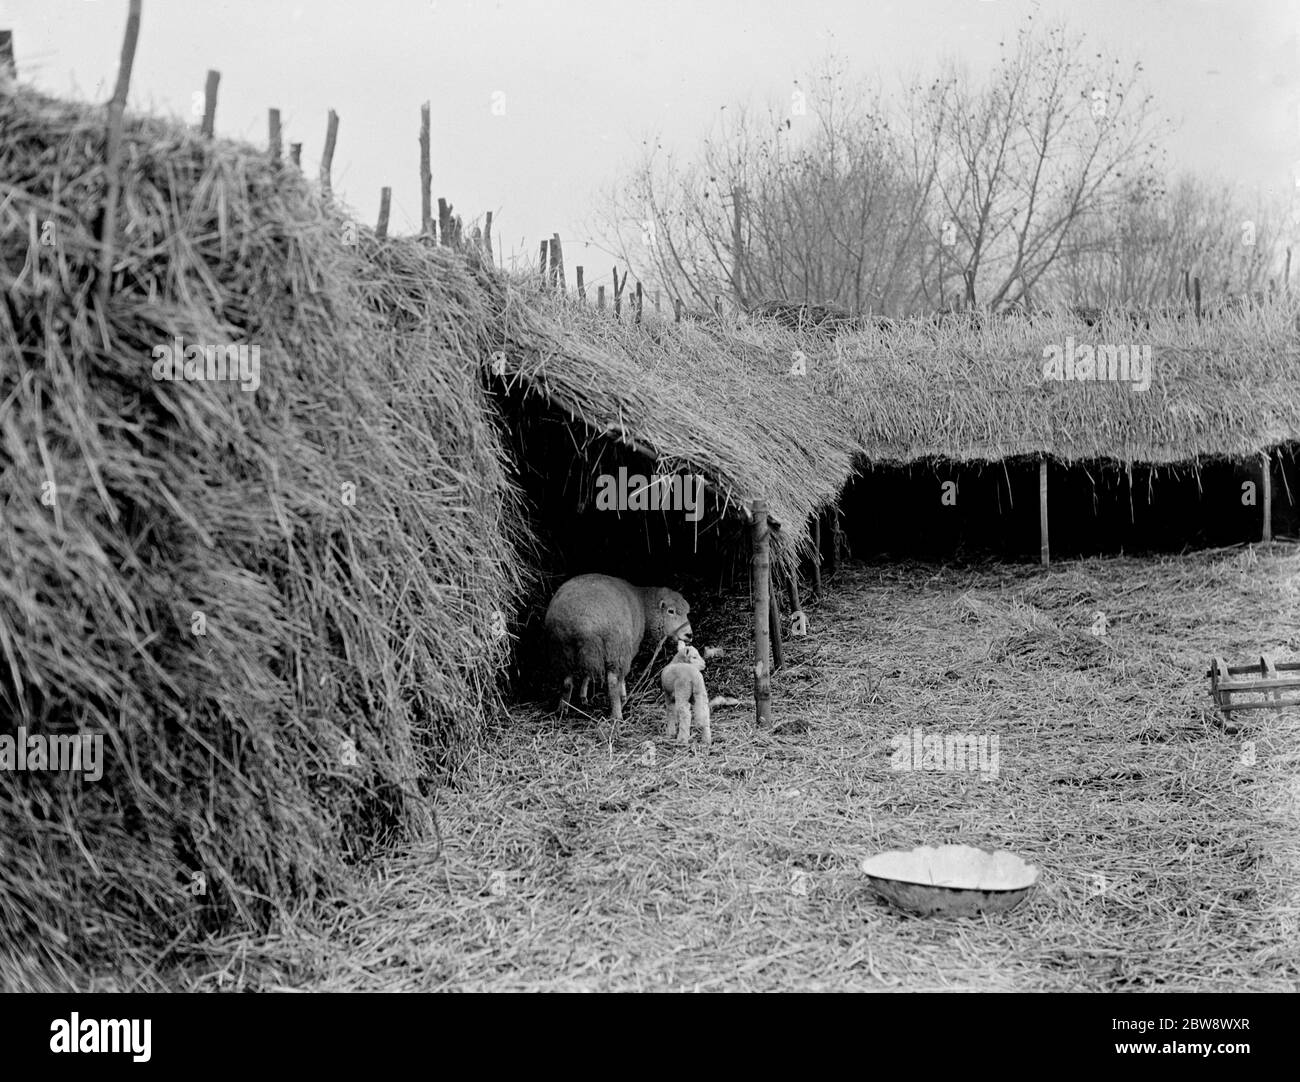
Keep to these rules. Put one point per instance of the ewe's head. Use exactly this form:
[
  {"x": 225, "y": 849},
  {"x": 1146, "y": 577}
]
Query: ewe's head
[{"x": 670, "y": 618}]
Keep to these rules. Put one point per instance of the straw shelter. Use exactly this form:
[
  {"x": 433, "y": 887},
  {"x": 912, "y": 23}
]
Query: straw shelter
[
  {"x": 279, "y": 600},
  {"x": 285, "y": 594}
]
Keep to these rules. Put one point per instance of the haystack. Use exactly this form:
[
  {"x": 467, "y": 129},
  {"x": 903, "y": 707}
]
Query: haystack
[{"x": 281, "y": 603}]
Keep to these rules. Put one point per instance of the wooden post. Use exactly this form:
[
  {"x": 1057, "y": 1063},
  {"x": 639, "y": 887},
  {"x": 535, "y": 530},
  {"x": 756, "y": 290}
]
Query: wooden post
[
  {"x": 1196, "y": 297},
  {"x": 1187, "y": 285},
  {"x": 795, "y": 602},
  {"x": 600, "y": 298},
  {"x": 7, "y": 65},
  {"x": 677, "y": 310},
  {"x": 542, "y": 261},
  {"x": 638, "y": 302},
  {"x": 487, "y": 237},
  {"x": 385, "y": 201},
  {"x": 446, "y": 230},
  {"x": 1266, "y": 488},
  {"x": 327, "y": 158},
  {"x": 295, "y": 154},
  {"x": 582, "y": 289},
  {"x": 619, "y": 285},
  {"x": 817, "y": 554},
  {"x": 273, "y": 142},
  {"x": 1044, "y": 551},
  {"x": 426, "y": 175},
  {"x": 116, "y": 107},
  {"x": 774, "y": 627},
  {"x": 760, "y": 584},
  {"x": 558, "y": 262},
  {"x": 210, "y": 103},
  {"x": 833, "y": 557}
]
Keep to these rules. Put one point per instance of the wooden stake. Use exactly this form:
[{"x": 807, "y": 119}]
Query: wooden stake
[
  {"x": 582, "y": 289},
  {"x": 600, "y": 298},
  {"x": 774, "y": 629},
  {"x": 557, "y": 264},
  {"x": 426, "y": 175},
  {"x": 1044, "y": 550},
  {"x": 327, "y": 158},
  {"x": 445, "y": 228},
  {"x": 1187, "y": 285},
  {"x": 273, "y": 140},
  {"x": 542, "y": 261},
  {"x": 210, "y": 103},
  {"x": 487, "y": 237},
  {"x": 817, "y": 554},
  {"x": 385, "y": 200},
  {"x": 760, "y": 584},
  {"x": 638, "y": 302},
  {"x": 1196, "y": 297},
  {"x": 295, "y": 154},
  {"x": 619, "y": 284},
  {"x": 7, "y": 65},
  {"x": 116, "y": 107},
  {"x": 833, "y": 556},
  {"x": 1266, "y": 487},
  {"x": 677, "y": 310}
]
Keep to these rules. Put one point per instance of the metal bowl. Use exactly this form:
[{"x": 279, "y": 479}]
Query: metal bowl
[{"x": 950, "y": 880}]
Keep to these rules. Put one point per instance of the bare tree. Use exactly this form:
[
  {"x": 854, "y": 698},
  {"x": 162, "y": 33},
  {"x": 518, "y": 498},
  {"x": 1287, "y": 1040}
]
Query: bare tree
[
  {"x": 1052, "y": 138},
  {"x": 823, "y": 204}
]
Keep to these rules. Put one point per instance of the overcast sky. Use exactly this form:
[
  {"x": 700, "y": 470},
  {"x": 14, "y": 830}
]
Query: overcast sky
[{"x": 581, "y": 83}]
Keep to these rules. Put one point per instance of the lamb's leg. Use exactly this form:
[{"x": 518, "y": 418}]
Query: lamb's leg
[
  {"x": 615, "y": 684},
  {"x": 670, "y": 718},
  {"x": 682, "y": 706},
  {"x": 565, "y": 696},
  {"x": 702, "y": 716},
  {"x": 583, "y": 691}
]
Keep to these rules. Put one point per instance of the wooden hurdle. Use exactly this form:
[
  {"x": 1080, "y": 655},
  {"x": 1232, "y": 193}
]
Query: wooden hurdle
[{"x": 1278, "y": 684}]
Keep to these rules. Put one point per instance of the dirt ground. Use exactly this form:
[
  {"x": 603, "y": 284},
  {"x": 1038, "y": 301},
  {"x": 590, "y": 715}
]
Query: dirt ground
[{"x": 576, "y": 858}]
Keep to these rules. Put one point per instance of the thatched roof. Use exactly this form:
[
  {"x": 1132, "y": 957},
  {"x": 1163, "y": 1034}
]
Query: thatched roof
[
  {"x": 696, "y": 399},
  {"x": 909, "y": 390},
  {"x": 1226, "y": 388}
]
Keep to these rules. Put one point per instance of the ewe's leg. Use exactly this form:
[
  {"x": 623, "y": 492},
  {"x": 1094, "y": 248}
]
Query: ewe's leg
[
  {"x": 583, "y": 691},
  {"x": 565, "y": 696},
  {"x": 615, "y": 685}
]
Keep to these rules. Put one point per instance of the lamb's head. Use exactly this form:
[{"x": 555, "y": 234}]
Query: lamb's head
[
  {"x": 667, "y": 615},
  {"x": 688, "y": 655}
]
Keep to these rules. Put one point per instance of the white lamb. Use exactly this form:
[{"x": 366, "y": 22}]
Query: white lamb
[{"x": 682, "y": 682}]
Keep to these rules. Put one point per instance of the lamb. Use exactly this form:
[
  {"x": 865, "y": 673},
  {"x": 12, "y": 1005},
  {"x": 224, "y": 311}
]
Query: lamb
[
  {"x": 682, "y": 682},
  {"x": 596, "y": 624}
]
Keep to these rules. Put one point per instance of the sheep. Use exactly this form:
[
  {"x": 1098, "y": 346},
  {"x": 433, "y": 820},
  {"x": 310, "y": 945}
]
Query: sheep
[
  {"x": 682, "y": 682},
  {"x": 596, "y": 624}
]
